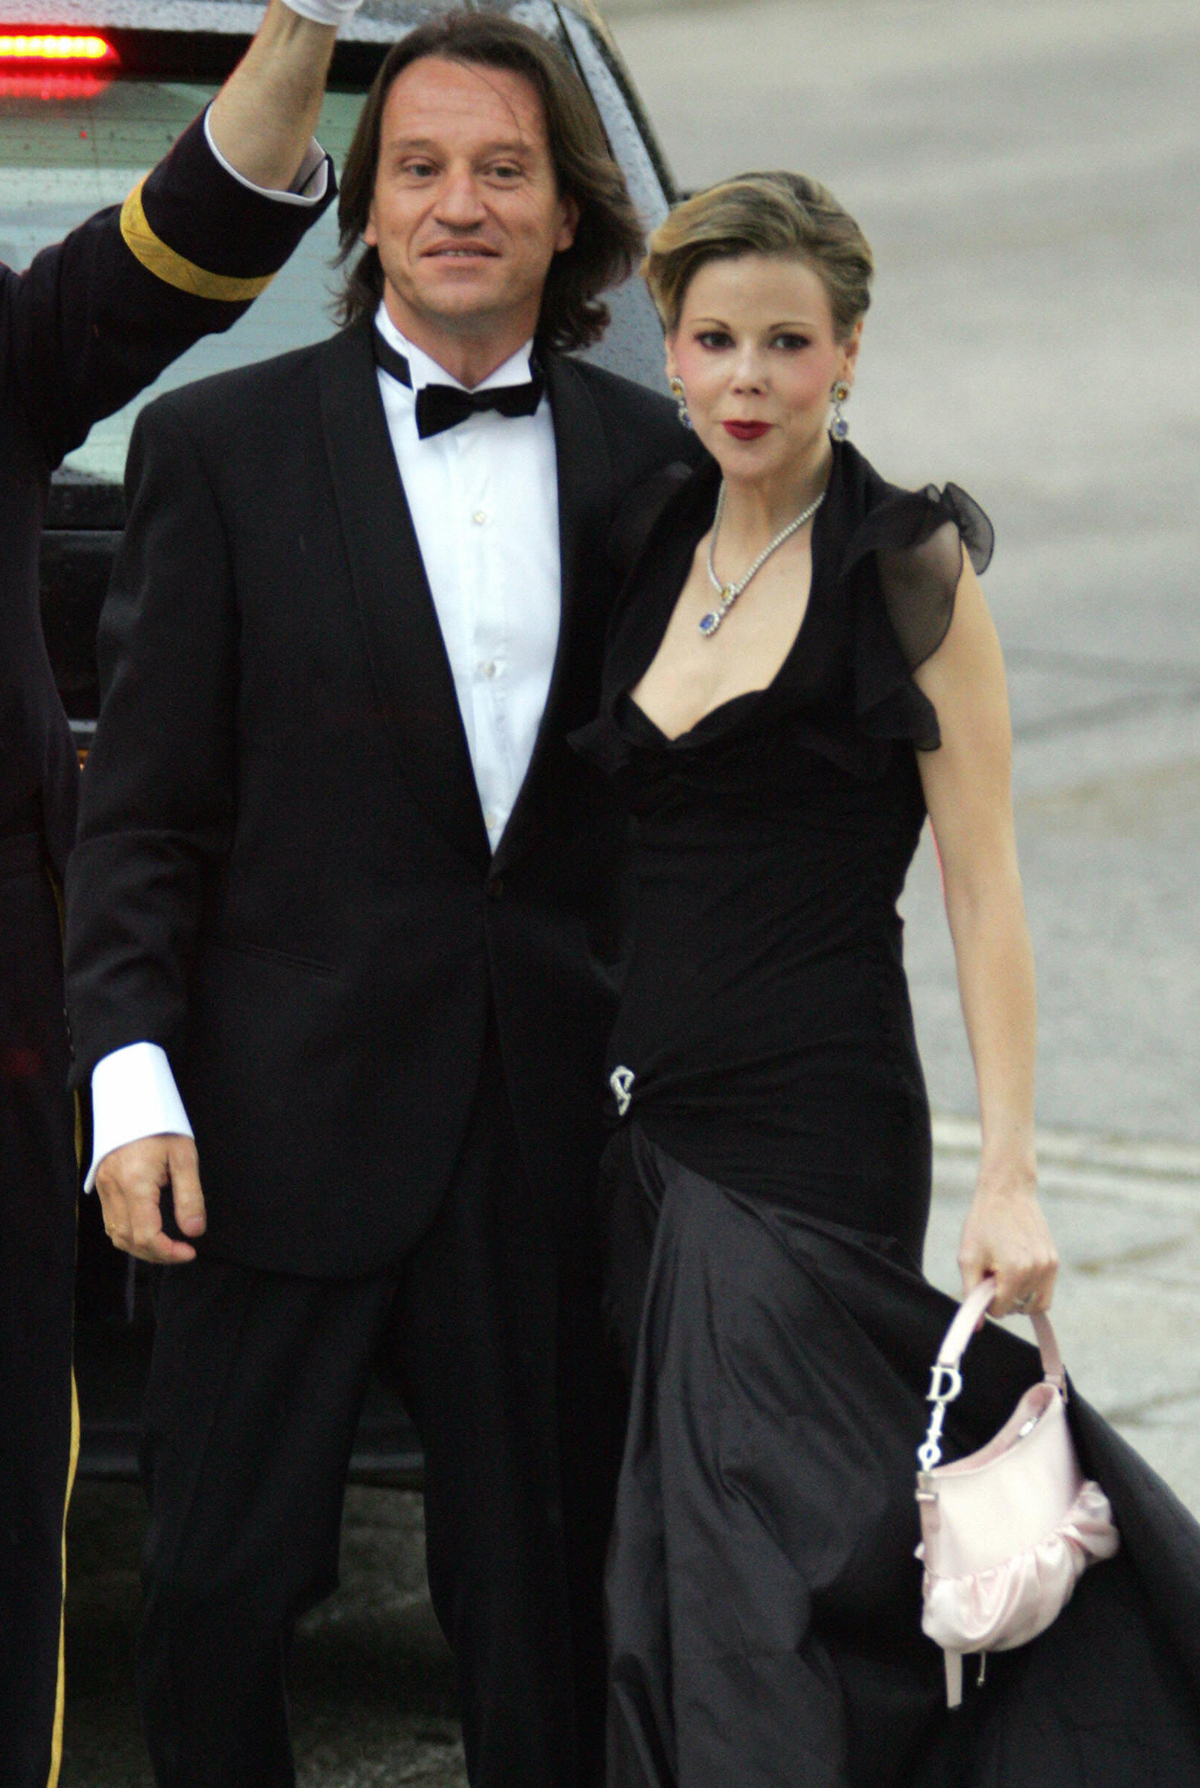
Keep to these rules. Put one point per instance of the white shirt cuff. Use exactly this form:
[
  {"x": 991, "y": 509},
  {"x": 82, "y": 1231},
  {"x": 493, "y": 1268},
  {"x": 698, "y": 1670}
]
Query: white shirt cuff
[
  {"x": 309, "y": 186},
  {"x": 133, "y": 1095},
  {"x": 324, "y": 12}
]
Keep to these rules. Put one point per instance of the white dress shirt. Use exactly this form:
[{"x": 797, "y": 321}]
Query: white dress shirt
[
  {"x": 484, "y": 501},
  {"x": 483, "y": 496}
]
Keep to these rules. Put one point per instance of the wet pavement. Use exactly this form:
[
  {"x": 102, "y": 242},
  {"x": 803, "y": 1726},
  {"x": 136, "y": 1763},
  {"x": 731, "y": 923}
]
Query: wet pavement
[
  {"x": 373, "y": 1699},
  {"x": 1126, "y": 1219}
]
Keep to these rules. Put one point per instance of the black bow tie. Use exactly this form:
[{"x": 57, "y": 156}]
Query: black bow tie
[{"x": 441, "y": 406}]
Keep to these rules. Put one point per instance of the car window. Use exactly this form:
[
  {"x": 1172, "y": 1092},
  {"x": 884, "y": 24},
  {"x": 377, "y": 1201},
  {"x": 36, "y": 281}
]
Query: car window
[{"x": 62, "y": 158}]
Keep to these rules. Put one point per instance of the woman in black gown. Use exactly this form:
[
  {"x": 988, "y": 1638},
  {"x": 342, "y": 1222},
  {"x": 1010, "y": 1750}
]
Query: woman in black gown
[{"x": 779, "y": 735}]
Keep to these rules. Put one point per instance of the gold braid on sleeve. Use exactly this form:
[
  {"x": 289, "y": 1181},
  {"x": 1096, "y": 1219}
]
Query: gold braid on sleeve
[{"x": 174, "y": 269}]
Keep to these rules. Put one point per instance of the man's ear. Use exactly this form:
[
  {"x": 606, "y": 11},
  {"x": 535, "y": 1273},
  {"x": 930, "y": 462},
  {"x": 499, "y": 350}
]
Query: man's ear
[
  {"x": 568, "y": 223},
  {"x": 371, "y": 235}
]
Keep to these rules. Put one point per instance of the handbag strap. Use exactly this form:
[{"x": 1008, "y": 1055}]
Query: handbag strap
[
  {"x": 946, "y": 1379},
  {"x": 958, "y": 1335}
]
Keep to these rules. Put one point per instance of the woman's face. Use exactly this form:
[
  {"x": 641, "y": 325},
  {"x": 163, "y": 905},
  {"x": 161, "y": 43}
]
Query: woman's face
[{"x": 756, "y": 351}]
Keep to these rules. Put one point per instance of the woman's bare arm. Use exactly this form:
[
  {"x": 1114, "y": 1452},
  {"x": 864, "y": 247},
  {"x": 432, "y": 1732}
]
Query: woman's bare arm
[{"x": 968, "y": 792}]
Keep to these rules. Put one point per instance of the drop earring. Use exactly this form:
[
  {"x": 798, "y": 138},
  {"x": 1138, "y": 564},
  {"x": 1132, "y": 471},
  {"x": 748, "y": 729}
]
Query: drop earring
[
  {"x": 839, "y": 428},
  {"x": 680, "y": 396}
]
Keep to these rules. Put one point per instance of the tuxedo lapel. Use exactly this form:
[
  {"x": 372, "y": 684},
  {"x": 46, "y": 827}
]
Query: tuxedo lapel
[
  {"x": 404, "y": 641},
  {"x": 585, "y": 494}
]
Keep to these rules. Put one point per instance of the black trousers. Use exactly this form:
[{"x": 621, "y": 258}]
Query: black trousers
[
  {"x": 38, "y": 1186},
  {"x": 492, "y": 1327}
]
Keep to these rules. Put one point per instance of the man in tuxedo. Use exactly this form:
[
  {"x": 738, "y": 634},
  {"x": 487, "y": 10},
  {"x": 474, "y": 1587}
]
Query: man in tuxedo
[
  {"x": 343, "y": 904},
  {"x": 91, "y": 321}
]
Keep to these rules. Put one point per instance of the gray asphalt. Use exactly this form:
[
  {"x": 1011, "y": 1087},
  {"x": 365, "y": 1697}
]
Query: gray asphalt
[{"x": 1028, "y": 175}]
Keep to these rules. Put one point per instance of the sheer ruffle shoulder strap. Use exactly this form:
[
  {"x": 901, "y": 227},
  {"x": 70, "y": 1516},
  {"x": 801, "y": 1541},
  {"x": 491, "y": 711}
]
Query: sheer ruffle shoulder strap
[{"x": 917, "y": 539}]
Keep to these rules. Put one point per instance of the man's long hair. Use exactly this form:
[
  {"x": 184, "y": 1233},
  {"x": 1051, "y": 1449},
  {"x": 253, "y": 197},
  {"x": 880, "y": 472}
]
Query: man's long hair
[{"x": 608, "y": 239}]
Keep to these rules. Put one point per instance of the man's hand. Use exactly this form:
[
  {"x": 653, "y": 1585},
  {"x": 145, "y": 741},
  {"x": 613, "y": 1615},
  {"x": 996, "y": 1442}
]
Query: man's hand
[{"x": 130, "y": 1182}]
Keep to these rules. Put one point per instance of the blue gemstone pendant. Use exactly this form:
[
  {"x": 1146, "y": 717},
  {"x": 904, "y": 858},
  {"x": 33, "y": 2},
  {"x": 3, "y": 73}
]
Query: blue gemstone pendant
[{"x": 710, "y": 622}]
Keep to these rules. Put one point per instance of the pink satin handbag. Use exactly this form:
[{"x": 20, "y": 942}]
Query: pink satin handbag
[{"x": 1008, "y": 1531}]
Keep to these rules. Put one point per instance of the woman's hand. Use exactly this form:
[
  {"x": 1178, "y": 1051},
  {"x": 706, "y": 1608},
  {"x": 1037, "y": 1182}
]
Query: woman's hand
[{"x": 1006, "y": 1236}]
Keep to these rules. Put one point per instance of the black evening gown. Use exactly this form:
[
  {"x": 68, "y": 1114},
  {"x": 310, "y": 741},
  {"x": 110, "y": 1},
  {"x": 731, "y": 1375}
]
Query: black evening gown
[{"x": 766, "y": 1194}]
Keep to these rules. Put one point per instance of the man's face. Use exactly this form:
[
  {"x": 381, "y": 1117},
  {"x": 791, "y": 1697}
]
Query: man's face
[{"x": 466, "y": 214}]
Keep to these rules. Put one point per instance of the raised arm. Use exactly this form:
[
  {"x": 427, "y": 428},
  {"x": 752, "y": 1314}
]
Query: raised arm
[
  {"x": 263, "y": 119},
  {"x": 98, "y": 316},
  {"x": 968, "y": 792}
]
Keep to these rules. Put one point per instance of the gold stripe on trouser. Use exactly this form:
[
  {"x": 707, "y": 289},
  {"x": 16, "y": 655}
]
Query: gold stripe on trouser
[
  {"x": 60, "y": 1689},
  {"x": 60, "y": 1694},
  {"x": 173, "y": 268}
]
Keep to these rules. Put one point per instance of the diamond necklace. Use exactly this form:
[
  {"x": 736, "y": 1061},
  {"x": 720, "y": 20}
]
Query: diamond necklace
[{"x": 729, "y": 593}]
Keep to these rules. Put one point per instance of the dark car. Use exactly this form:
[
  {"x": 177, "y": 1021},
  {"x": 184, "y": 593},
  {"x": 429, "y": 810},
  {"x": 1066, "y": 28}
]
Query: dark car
[{"x": 92, "y": 92}]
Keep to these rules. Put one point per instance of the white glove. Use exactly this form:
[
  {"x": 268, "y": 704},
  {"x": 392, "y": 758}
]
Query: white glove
[{"x": 324, "y": 12}]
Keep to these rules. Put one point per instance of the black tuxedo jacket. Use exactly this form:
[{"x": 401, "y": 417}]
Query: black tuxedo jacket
[{"x": 282, "y": 873}]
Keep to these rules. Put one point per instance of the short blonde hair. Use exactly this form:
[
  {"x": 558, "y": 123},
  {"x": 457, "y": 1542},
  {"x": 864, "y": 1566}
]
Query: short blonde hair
[{"x": 762, "y": 214}]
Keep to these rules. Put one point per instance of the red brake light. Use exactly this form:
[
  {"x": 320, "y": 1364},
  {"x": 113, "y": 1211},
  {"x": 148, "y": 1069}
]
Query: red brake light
[{"x": 69, "y": 49}]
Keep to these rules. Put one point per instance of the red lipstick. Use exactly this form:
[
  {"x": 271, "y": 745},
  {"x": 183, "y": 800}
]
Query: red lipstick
[{"x": 746, "y": 431}]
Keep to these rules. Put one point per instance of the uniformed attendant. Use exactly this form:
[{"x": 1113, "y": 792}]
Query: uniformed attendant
[{"x": 92, "y": 321}]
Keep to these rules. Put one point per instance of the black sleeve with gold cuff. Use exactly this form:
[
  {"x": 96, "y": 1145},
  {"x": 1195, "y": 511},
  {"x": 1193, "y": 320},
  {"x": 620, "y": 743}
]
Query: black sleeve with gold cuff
[{"x": 99, "y": 315}]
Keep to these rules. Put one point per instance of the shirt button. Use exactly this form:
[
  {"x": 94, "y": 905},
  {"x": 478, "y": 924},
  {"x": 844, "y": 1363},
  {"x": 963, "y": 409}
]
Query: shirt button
[
  {"x": 490, "y": 819},
  {"x": 479, "y": 517},
  {"x": 489, "y": 669}
]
